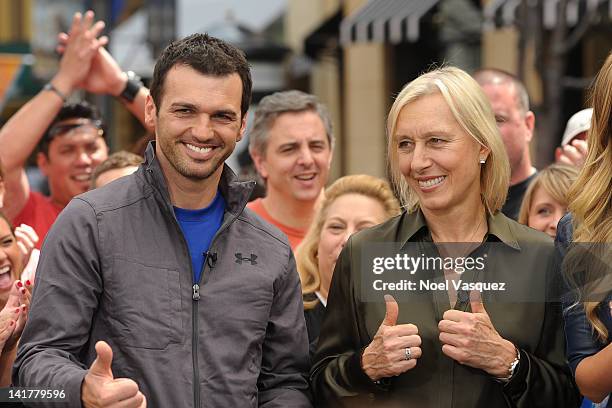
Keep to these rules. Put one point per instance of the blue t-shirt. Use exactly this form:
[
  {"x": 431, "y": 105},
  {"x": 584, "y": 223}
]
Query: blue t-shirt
[{"x": 199, "y": 228}]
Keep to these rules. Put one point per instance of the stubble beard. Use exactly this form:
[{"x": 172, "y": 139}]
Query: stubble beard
[{"x": 193, "y": 171}]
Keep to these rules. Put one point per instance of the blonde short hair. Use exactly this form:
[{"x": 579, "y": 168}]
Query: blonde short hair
[
  {"x": 306, "y": 252},
  {"x": 473, "y": 112},
  {"x": 556, "y": 181}
]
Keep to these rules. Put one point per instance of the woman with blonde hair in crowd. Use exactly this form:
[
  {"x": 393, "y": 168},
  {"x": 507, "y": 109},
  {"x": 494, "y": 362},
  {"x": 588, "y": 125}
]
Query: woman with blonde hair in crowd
[
  {"x": 444, "y": 345},
  {"x": 584, "y": 239},
  {"x": 545, "y": 201},
  {"x": 351, "y": 204}
]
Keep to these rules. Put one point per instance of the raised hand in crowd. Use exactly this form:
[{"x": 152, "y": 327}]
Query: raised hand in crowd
[
  {"x": 470, "y": 338},
  {"x": 106, "y": 77},
  {"x": 395, "y": 347},
  {"x": 101, "y": 389},
  {"x": 573, "y": 154},
  {"x": 79, "y": 52},
  {"x": 25, "y": 129}
]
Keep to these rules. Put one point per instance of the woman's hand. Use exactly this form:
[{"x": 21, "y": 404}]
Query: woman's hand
[
  {"x": 395, "y": 347},
  {"x": 11, "y": 315},
  {"x": 7, "y": 325},
  {"x": 471, "y": 339},
  {"x": 573, "y": 154},
  {"x": 26, "y": 241},
  {"x": 14, "y": 315}
]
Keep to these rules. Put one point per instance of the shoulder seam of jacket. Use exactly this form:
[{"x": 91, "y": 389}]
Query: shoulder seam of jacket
[
  {"x": 95, "y": 217},
  {"x": 245, "y": 220},
  {"x": 111, "y": 207}
]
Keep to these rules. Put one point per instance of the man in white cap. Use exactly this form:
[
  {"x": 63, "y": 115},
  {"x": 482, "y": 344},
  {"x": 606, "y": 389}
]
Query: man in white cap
[{"x": 573, "y": 148}]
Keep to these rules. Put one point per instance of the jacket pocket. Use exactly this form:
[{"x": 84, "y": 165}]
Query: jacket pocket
[{"x": 145, "y": 304}]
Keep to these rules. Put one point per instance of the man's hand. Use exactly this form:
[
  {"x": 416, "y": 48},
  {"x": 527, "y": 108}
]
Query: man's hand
[
  {"x": 104, "y": 76},
  {"x": 79, "y": 52},
  {"x": 573, "y": 154},
  {"x": 386, "y": 356},
  {"x": 471, "y": 339},
  {"x": 101, "y": 389}
]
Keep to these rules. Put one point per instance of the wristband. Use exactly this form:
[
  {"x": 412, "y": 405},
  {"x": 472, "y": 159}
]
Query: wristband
[
  {"x": 50, "y": 87},
  {"x": 132, "y": 86}
]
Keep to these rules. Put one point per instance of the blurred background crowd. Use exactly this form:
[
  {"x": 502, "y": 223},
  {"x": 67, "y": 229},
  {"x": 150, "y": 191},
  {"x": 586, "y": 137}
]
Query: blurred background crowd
[
  {"x": 344, "y": 62},
  {"x": 354, "y": 55}
]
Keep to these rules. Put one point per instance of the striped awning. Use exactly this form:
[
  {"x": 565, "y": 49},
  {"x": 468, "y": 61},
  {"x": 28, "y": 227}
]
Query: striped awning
[
  {"x": 499, "y": 13},
  {"x": 385, "y": 21}
]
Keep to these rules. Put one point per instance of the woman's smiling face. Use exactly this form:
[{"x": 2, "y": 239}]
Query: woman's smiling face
[
  {"x": 11, "y": 260},
  {"x": 438, "y": 159}
]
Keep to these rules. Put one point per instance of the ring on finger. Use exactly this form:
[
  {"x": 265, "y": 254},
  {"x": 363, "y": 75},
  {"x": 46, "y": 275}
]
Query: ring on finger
[{"x": 407, "y": 354}]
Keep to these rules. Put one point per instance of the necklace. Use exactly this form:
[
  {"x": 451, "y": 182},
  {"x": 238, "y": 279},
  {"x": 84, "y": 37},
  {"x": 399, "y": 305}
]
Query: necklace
[
  {"x": 470, "y": 239},
  {"x": 458, "y": 249}
]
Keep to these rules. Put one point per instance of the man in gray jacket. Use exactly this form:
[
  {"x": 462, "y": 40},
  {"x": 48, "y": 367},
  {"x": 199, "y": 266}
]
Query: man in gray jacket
[{"x": 162, "y": 283}]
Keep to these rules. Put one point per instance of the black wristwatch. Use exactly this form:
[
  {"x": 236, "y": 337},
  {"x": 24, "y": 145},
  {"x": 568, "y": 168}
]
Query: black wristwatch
[{"x": 132, "y": 87}]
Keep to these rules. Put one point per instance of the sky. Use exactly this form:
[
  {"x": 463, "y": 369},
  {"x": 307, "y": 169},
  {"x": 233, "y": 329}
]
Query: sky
[{"x": 198, "y": 15}]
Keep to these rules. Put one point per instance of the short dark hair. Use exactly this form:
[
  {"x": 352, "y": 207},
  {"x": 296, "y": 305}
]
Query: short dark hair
[
  {"x": 77, "y": 110},
  {"x": 117, "y": 160},
  {"x": 207, "y": 55}
]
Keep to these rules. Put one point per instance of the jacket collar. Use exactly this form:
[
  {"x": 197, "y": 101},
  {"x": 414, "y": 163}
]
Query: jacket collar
[
  {"x": 235, "y": 193},
  {"x": 499, "y": 228}
]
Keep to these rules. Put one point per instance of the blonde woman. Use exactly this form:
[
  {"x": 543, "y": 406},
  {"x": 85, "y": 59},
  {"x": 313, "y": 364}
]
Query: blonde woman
[
  {"x": 588, "y": 314},
  {"x": 545, "y": 201},
  {"x": 446, "y": 347},
  {"x": 351, "y": 204}
]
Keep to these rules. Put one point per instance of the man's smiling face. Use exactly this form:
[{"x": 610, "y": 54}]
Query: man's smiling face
[{"x": 198, "y": 122}]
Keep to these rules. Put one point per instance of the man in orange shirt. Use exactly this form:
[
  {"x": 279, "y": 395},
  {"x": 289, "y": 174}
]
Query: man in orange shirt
[{"x": 291, "y": 145}]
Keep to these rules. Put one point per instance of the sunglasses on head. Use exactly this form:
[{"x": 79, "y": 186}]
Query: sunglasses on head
[{"x": 73, "y": 128}]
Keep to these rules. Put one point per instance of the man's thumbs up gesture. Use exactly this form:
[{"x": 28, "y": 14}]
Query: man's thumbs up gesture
[
  {"x": 395, "y": 347},
  {"x": 471, "y": 339},
  {"x": 101, "y": 389}
]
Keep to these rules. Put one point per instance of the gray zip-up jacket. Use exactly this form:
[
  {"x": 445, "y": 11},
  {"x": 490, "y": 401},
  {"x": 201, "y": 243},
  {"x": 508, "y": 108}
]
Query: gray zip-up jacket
[{"x": 115, "y": 267}]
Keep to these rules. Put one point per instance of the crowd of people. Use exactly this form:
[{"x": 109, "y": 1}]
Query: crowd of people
[{"x": 157, "y": 281}]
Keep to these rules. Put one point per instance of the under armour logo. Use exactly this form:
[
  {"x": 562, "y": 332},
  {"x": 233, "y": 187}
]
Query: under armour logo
[{"x": 240, "y": 259}]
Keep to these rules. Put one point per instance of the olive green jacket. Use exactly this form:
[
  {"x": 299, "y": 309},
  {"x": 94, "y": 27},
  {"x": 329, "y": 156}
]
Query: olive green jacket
[{"x": 542, "y": 378}]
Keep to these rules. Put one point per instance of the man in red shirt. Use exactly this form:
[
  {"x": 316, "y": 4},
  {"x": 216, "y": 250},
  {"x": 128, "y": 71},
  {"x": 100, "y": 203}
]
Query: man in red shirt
[{"x": 69, "y": 137}]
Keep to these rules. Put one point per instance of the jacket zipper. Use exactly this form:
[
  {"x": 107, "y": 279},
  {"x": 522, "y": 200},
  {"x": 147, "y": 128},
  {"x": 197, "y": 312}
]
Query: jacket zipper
[
  {"x": 195, "y": 295},
  {"x": 194, "y": 340}
]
